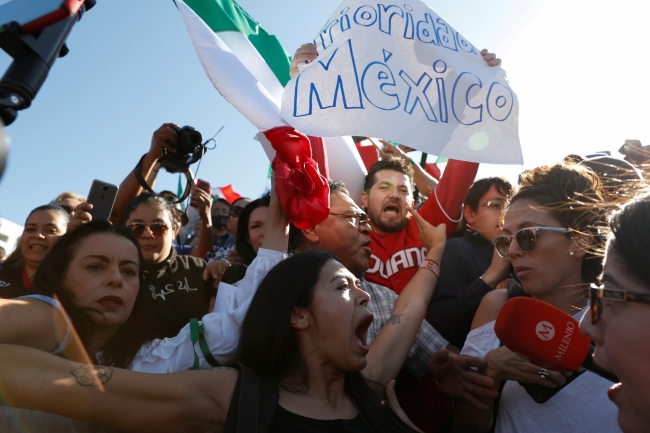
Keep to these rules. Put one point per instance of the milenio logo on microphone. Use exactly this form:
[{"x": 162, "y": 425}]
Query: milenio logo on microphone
[{"x": 545, "y": 330}]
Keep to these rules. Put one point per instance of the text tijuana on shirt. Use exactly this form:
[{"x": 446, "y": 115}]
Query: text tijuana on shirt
[{"x": 400, "y": 261}]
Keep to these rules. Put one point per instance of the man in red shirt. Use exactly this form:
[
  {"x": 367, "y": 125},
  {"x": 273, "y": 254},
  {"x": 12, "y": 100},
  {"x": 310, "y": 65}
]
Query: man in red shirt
[{"x": 395, "y": 241}]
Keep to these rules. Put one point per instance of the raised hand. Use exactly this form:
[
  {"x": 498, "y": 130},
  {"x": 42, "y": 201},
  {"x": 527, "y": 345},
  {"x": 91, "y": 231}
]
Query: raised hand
[
  {"x": 390, "y": 150},
  {"x": 305, "y": 54},
  {"x": 490, "y": 58},
  {"x": 201, "y": 200},
  {"x": 81, "y": 216},
  {"x": 498, "y": 270},
  {"x": 163, "y": 140},
  {"x": 432, "y": 237}
]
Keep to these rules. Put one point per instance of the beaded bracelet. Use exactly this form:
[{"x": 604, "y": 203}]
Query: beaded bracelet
[{"x": 432, "y": 266}]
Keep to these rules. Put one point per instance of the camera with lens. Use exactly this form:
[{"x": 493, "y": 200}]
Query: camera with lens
[{"x": 189, "y": 149}]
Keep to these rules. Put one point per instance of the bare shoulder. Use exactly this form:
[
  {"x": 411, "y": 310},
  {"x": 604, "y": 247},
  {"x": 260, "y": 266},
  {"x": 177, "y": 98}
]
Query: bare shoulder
[
  {"x": 26, "y": 316},
  {"x": 490, "y": 307}
]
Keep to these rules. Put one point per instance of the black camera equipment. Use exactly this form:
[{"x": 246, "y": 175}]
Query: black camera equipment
[
  {"x": 189, "y": 149},
  {"x": 33, "y": 56}
]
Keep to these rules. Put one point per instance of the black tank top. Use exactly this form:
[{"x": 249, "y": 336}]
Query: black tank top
[
  {"x": 285, "y": 421},
  {"x": 273, "y": 418}
]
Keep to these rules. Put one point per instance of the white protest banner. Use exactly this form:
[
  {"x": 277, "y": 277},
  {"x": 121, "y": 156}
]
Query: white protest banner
[{"x": 402, "y": 73}]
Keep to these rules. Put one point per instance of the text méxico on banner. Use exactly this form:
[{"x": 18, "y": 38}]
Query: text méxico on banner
[{"x": 402, "y": 73}]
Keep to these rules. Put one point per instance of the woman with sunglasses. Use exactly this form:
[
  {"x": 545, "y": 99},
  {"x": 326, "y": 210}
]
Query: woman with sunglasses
[
  {"x": 43, "y": 228},
  {"x": 619, "y": 320},
  {"x": 174, "y": 282},
  {"x": 550, "y": 230}
]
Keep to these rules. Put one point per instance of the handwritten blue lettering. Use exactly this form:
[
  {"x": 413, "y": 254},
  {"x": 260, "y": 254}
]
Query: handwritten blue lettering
[
  {"x": 460, "y": 97},
  {"x": 386, "y": 14},
  {"x": 335, "y": 86},
  {"x": 375, "y": 80},
  {"x": 417, "y": 95},
  {"x": 499, "y": 102},
  {"x": 365, "y": 16}
]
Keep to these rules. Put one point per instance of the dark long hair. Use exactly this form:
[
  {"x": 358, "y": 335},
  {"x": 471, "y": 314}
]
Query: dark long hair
[
  {"x": 572, "y": 194},
  {"x": 269, "y": 346},
  {"x": 244, "y": 248},
  {"x": 122, "y": 347},
  {"x": 630, "y": 236}
]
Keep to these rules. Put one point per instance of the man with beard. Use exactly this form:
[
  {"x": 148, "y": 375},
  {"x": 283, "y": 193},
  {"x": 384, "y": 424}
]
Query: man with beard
[{"x": 397, "y": 250}]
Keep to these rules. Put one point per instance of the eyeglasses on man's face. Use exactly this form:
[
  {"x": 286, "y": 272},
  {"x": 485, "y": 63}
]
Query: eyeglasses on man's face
[{"x": 357, "y": 219}]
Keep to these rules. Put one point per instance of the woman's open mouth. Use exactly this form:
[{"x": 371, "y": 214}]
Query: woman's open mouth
[{"x": 361, "y": 333}]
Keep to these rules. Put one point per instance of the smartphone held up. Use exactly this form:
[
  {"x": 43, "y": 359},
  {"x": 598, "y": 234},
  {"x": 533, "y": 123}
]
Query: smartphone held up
[{"x": 102, "y": 196}]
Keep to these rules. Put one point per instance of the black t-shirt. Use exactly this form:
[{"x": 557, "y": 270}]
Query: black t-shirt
[
  {"x": 11, "y": 283},
  {"x": 178, "y": 292},
  {"x": 285, "y": 421}
]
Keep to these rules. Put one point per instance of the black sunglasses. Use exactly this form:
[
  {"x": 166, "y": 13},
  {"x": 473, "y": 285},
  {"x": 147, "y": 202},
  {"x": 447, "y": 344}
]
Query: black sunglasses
[
  {"x": 597, "y": 294},
  {"x": 158, "y": 230},
  {"x": 526, "y": 239}
]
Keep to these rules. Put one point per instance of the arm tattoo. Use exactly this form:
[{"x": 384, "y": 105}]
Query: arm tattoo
[
  {"x": 394, "y": 320},
  {"x": 92, "y": 375}
]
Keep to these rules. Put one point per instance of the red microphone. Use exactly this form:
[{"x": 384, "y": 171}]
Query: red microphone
[{"x": 542, "y": 334}]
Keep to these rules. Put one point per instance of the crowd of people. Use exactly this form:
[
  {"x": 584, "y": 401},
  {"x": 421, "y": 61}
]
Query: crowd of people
[{"x": 380, "y": 318}]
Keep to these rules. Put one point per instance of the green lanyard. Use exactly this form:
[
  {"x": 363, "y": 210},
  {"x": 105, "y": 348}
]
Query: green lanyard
[{"x": 196, "y": 334}]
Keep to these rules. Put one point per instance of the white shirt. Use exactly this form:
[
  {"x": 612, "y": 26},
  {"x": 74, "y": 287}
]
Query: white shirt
[
  {"x": 582, "y": 406},
  {"x": 221, "y": 328}
]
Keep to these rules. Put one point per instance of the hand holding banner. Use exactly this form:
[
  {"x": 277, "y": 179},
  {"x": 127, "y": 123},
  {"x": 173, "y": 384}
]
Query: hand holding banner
[{"x": 402, "y": 73}]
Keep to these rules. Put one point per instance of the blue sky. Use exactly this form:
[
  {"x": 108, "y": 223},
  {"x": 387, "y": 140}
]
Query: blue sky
[{"x": 579, "y": 69}]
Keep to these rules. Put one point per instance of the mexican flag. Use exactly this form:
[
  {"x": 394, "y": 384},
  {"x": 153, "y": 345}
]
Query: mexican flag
[
  {"x": 250, "y": 68},
  {"x": 247, "y": 66}
]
